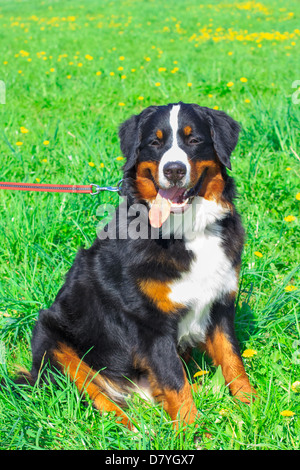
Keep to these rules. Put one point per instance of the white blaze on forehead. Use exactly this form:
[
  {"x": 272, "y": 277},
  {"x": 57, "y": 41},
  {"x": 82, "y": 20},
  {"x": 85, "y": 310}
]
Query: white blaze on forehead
[
  {"x": 174, "y": 120},
  {"x": 175, "y": 153}
]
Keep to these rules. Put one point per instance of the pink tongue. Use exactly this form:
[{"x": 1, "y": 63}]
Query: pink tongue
[{"x": 161, "y": 207}]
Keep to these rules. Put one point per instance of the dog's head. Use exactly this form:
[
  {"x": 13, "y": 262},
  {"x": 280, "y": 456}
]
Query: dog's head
[{"x": 176, "y": 152}]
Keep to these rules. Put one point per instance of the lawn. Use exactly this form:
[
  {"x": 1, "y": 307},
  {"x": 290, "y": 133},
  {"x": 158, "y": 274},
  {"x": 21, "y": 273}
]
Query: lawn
[{"x": 71, "y": 73}]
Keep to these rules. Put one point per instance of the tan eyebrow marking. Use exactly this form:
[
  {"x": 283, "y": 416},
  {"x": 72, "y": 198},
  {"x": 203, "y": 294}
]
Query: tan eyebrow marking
[
  {"x": 187, "y": 130},
  {"x": 159, "y": 134}
]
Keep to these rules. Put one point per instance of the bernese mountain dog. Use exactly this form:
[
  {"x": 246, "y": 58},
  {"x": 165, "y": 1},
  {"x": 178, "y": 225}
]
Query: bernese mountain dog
[{"x": 159, "y": 281}]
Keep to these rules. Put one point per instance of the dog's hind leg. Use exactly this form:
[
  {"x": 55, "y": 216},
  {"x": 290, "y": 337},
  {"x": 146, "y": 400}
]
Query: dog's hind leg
[{"x": 99, "y": 389}]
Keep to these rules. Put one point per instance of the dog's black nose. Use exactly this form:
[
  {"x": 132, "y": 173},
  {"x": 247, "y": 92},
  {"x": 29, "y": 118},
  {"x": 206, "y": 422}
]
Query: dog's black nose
[{"x": 174, "y": 171}]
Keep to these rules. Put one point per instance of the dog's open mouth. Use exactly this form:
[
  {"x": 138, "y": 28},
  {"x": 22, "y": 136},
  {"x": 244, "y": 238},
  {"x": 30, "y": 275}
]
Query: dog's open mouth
[
  {"x": 168, "y": 200},
  {"x": 175, "y": 200}
]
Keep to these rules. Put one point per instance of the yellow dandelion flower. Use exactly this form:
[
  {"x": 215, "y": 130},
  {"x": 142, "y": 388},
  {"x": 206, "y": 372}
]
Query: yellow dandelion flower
[
  {"x": 24, "y": 130},
  {"x": 121, "y": 57},
  {"x": 19, "y": 144},
  {"x": 244, "y": 79},
  {"x": 44, "y": 160},
  {"x": 247, "y": 100},
  {"x": 140, "y": 98},
  {"x": 230, "y": 53},
  {"x": 162, "y": 69},
  {"x": 230, "y": 84},
  {"x": 298, "y": 196},
  {"x": 147, "y": 59},
  {"x": 200, "y": 373},
  {"x": 101, "y": 165},
  {"x": 224, "y": 412},
  {"x": 38, "y": 179},
  {"x": 99, "y": 73},
  {"x": 258, "y": 254},
  {"x": 210, "y": 95},
  {"x": 296, "y": 386},
  {"x": 120, "y": 68},
  {"x": 157, "y": 84},
  {"x": 249, "y": 353},
  {"x": 20, "y": 71},
  {"x": 290, "y": 218},
  {"x": 111, "y": 74},
  {"x": 287, "y": 413},
  {"x": 5, "y": 62},
  {"x": 46, "y": 142},
  {"x": 288, "y": 168},
  {"x": 92, "y": 164},
  {"x": 121, "y": 104},
  {"x": 89, "y": 57},
  {"x": 123, "y": 77},
  {"x": 216, "y": 107},
  {"x": 69, "y": 76},
  {"x": 189, "y": 84},
  {"x": 79, "y": 64},
  {"x": 290, "y": 288},
  {"x": 119, "y": 158},
  {"x": 133, "y": 70}
]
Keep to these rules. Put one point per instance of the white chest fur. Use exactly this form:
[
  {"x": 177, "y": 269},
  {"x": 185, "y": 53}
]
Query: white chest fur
[{"x": 210, "y": 277}]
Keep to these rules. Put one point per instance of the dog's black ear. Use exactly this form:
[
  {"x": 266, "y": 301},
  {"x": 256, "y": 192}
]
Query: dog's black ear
[
  {"x": 129, "y": 141},
  {"x": 130, "y": 136},
  {"x": 225, "y": 134}
]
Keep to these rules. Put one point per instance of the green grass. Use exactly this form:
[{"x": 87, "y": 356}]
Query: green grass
[{"x": 196, "y": 50}]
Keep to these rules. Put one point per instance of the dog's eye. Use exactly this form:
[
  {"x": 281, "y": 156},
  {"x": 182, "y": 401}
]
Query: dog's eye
[
  {"x": 194, "y": 141},
  {"x": 155, "y": 143}
]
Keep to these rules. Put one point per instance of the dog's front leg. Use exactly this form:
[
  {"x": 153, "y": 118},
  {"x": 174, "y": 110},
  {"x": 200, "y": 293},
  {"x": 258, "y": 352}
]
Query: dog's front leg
[
  {"x": 169, "y": 384},
  {"x": 222, "y": 346},
  {"x": 178, "y": 403}
]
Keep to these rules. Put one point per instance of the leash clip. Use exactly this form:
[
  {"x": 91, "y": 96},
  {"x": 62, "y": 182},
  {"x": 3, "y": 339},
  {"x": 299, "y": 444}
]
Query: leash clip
[{"x": 96, "y": 189}]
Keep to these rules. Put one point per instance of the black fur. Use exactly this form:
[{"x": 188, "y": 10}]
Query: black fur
[{"x": 100, "y": 312}]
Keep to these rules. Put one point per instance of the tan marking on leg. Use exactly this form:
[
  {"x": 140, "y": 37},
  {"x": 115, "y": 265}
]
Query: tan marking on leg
[
  {"x": 221, "y": 351},
  {"x": 86, "y": 379},
  {"x": 178, "y": 404}
]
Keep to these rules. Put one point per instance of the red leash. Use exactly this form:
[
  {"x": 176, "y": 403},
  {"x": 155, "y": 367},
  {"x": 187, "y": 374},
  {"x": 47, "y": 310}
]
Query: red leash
[
  {"x": 92, "y": 189},
  {"x": 57, "y": 188}
]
